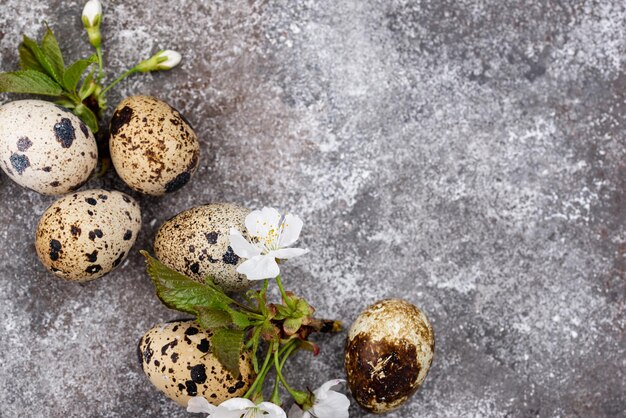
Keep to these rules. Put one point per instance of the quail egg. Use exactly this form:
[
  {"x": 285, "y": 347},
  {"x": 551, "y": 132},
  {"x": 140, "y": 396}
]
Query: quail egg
[
  {"x": 388, "y": 352},
  {"x": 153, "y": 147},
  {"x": 196, "y": 243},
  {"x": 177, "y": 359},
  {"x": 45, "y": 147},
  {"x": 85, "y": 235}
]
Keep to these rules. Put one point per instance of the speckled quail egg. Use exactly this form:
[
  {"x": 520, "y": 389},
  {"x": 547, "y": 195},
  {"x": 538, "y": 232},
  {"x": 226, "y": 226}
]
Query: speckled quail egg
[
  {"x": 389, "y": 350},
  {"x": 45, "y": 147},
  {"x": 196, "y": 243},
  {"x": 177, "y": 359},
  {"x": 85, "y": 235},
  {"x": 153, "y": 147}
]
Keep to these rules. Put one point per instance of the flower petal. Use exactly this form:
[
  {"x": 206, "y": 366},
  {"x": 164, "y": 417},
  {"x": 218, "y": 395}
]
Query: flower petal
[
  {"x": 320, "y": 393},
  {"x": 200, "y": 404},
  {"x": 241, "y": 246},
  {"x": 274, "y": 410},
  {"x": 259, "y": 267},
  {"x": 335, "y": 405},
  {"x": 235, "y": 404},
  {"x": 296, "y": 412},
  {"x": 259, "y": 223},
  {"x": 285, "y": 253},
  {"x": 291, "y": 227}
]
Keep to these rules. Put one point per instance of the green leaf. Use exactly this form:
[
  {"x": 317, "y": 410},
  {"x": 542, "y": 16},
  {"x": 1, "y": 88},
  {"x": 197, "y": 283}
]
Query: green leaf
[
  {"x": 240, "y": 320},
  {"x": 87, "y": 116},
  {"x": 86, "y": 88},
  {"x": 28, "y": 61},
  {"x": 50, "y": 47},
  {"x": 29, "y": 81},
  {"x": 179, "y": 292},
  {"x": 211, "y": 318},
  {"x": 40, "y": 56},
  {"x": 226, "y": 344},
  {"x": 72, "y": 74}
]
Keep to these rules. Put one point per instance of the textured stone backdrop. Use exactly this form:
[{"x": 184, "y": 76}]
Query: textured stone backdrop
[{"x": 465, "y": 155}]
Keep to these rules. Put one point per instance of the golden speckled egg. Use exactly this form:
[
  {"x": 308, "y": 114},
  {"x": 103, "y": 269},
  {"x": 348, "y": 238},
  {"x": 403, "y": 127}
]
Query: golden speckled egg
[
  {"x": 45, "y": 147},
  {"x": 196, "y": 243},
  {"x": 153, "y": 147},
  {"x": 177, "y": 359},
  {"x": 87, "y": 234},
  {"x": 388, "y": 352}
]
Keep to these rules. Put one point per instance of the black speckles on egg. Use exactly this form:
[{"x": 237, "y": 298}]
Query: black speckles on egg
[
  {"x": 211, "y": 237},
  {"x": 46, "y": 169},
  {"x": 174, "y": 357},
  {"x": 93, "y": 269},
  {"x": 198, "y": 373},
  {"x": 19, "y": 162},
  {"x": 191, "y": 331},
  {"x": 55, "y": 249},
  {"x": 178, "y": 182},
  {"x": 192, "y": 389},
  {"x": 204, "y": 345},
  {"x": 91, "y": 201},
  {"x": 84, "y": 129},
  {"x": 92, "y": 257},
  {"x": 96, "y": 233},
  {"x": 119, "y": 259},
  {"x": 128, "y": 235},
  {"x": 24, "y": 143},
  {"x": 120, "y": 118},
  {"x": 75, "y": 231},
  {"x": 230, "y": 257},
  {"x": 65, "y": 132},
  {"x": 195, "y": 267}
]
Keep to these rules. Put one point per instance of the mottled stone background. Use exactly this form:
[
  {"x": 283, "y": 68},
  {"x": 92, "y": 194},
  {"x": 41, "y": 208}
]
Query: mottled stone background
[{"x": 468, "y": 156}]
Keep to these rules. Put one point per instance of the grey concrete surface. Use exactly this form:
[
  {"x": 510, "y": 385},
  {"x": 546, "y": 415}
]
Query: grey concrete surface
[{"x": 468, "y": 156}]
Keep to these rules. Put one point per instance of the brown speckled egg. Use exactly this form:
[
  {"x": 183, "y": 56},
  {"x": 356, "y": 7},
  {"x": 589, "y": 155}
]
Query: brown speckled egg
[
  {"x": 177, "y": 359},
  {"x": 153, "y": 147},
  {"x": 85, "y": 235},
  {"x": 45, "y": 147},
  {"x": 389, "y": 350},
  {"x": 196, "y": 243}
]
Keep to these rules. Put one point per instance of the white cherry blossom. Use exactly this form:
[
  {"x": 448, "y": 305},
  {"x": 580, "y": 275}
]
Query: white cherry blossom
[
  {"x": 327, "y": 403},
  {"x": 273, "y": 234}
]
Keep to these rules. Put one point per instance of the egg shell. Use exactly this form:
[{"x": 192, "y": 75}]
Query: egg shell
[
  {"x": 87, "y": 234},
  {"x": 45, "y": 147},
  {"x": 153, "y": 147},
  {"x": 177, "y": 359},
  {"x": 388, "y": 353},
  {"x": 196, "y": 243}
]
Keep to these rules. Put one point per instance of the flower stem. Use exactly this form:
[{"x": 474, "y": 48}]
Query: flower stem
[
  {"x": 299, "y": 397},
  {"x": 263, "y": 372},
  {"x": 118, "y": 79},
  {"x": 100, "y": 71},
  {"x": 283, "y": 293}
]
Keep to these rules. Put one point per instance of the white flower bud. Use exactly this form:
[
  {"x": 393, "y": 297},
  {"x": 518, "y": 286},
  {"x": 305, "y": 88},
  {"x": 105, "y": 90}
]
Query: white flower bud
[
  {"x": 162, "y": 60},
  {"x": 92, "y": 13},
  {"x": 168, "y": 59}
]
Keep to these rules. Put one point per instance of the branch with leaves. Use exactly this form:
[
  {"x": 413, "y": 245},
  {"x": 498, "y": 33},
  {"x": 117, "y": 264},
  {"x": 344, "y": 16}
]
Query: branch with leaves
[
  {"x": 78, "y": 86},
  {"x": 271, "y": 332}
]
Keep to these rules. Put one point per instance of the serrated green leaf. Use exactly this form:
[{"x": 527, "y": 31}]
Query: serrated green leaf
[
  {"x": 40, "y": 56},
  {"x": 226, "y": 344},
  {"x": 50, "y": 47},
  {"x": 86, "y": 116},
  {"x": 72, "y": 74},
  {"x": 211, "y": 318},
  {"x": 28, "y": 61},
  {"x": 179, "y": 292},
  {"x": 239, "y": 319},
  {"x": 29, "y": 81}
]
